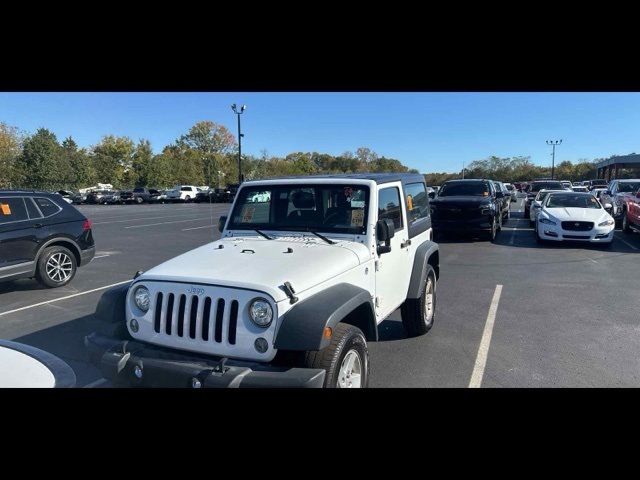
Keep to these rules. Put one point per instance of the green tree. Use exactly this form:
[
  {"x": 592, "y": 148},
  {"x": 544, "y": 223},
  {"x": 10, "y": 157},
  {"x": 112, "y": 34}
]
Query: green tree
[
  {"x": 39, "y": 165},
  {"x": 80, "y": 165},
  {"x": 10, "y": 149},
  {"x": 112, "y": 157},
  {"x": 141, "y": 162}
]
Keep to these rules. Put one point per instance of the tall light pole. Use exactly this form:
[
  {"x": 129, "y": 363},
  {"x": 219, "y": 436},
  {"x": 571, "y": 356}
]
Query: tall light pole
[
  {"x": 463, "y": 170},
  {"x": 240, "y": 135},
  {"x": 553, "y": 143}
]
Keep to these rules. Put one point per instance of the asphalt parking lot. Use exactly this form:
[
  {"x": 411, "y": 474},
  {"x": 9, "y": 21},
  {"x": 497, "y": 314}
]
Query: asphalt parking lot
[{"x": 509, "y": 314}]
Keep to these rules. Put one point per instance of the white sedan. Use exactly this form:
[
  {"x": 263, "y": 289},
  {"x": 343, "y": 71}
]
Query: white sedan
[
  {"x": 536, "y": 204},
  {"x": 574, "y": 216}
]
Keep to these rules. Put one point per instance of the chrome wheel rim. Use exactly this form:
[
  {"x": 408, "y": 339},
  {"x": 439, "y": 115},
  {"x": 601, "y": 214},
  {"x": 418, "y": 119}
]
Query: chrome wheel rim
[
  {"x": 350, "y": 374},
  {"x": 428, "y": 302},
  {"x": 59, "y": 267}
]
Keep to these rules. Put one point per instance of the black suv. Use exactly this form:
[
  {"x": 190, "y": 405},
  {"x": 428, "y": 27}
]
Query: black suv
[
  {"x": 468, "y": 206},
  {"x": 42, "y": 236}
]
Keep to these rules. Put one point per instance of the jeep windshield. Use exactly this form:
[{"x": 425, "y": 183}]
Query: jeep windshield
[
  {"x": 465, "y": 189},
  {"x": 296, "y": 207}
]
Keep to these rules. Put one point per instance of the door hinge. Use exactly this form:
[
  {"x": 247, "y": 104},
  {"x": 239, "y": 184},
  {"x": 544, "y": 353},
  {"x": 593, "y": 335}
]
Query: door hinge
[
  {"x": 377, "y": 265},
  {"x": 377, "y": 302}
]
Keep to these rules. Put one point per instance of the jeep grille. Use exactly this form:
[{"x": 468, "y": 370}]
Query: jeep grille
[{"x": 200, "y": 318}]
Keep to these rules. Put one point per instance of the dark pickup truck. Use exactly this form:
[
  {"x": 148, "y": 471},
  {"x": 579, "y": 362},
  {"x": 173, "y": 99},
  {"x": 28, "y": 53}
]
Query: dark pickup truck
[
  {"x": 468, "y": 206},
  {"x": 138, "y": 195},
  {"x": 535, "y": 187}
]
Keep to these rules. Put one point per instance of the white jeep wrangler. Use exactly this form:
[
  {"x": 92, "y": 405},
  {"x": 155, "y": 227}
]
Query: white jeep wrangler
[{"x": 289, "y": 295}]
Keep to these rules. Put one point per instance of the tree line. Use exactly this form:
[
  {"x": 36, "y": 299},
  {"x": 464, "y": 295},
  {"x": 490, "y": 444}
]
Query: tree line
[
  {"x": 205, "y": 155},
  {"x": 519, "y": 169}
]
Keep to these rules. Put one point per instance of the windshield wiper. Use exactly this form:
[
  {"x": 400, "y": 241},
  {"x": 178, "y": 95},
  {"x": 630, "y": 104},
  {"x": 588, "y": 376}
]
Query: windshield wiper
[
  {"x": 263, "y": 234},
  {"x": 330, "y": 242}
]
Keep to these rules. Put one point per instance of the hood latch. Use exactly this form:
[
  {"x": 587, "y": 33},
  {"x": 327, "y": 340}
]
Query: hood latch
[{"x": 290, "y": 292}]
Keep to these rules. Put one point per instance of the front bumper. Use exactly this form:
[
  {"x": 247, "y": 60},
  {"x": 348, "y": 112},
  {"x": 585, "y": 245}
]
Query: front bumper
[
  {"x": 558, "y": 234},
  {"x": 460, "y": 226},
  {"x": 164, "y": 367}
]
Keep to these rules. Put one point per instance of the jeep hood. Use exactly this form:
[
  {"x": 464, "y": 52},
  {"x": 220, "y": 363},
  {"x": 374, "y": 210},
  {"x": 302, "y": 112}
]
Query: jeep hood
[{"x": 261, "y": 264}]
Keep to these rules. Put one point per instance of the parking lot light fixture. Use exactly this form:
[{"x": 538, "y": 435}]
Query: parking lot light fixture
[
  {"x": 553, "y": 143},
  {"x": 234, "y": 107}
]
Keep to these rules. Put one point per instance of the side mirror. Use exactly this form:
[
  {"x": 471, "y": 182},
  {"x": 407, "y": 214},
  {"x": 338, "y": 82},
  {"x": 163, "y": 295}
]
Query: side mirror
[
  {"x": 607, "y": 192},
  {"x": 608, "y": 207},
  {"x": 221, "y": 223},
  {"x": 432, "y": 194},
  {"x": 537, "y": 205},
  {"x": 385, "y": 230},
  {"x": 499, "y": 195}
]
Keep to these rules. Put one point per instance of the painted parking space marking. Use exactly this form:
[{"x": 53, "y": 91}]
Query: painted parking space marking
[
  {"x": 625, "y": 242},
  {"x": 483, "y": 349},
  {"x": 167, "y": 223},
  {"x": 97, "y": 383},
  {"x": 197, "y": 228},
  {"x": 63, "y": 298}
]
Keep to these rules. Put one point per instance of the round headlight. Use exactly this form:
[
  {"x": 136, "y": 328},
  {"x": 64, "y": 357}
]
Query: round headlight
[
  {"x": 142, "y": 298},
  {"x": 261, "y": 312}
]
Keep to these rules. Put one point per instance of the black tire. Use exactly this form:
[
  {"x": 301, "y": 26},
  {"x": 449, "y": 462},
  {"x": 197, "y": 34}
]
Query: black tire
[
  {"x": 539, "y": 240},
  {"x": 625, "y": 223},
  {"x": 413, "y": 311},
  {"x": 531, "y": 223},
  {"x": 491, "y": 235},
  {"x": 59, "y": 256},
  {"x": 346, "y": 338}
]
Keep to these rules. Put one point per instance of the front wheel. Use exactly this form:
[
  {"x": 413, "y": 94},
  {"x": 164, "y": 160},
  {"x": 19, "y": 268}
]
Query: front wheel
[
  {"x": 139, "y": 200},
  {"x": 494, "y": 229},
  {"x": 345, "y": 360},
  {"x": 418, "y": 314},
  {"x": 187, "y": 199}
]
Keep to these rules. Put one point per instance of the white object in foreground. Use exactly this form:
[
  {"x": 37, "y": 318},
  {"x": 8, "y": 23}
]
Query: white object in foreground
[{"x": 24, "y": 366}]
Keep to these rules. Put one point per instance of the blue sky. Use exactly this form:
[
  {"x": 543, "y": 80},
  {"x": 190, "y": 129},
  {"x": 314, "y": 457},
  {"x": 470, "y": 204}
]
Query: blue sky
[{"x": 427, "y": 131}]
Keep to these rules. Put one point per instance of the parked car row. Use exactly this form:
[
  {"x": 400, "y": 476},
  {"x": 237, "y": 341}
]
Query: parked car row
[{"x": 179, "y": 193}]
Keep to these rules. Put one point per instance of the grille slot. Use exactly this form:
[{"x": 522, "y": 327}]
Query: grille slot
[
  {"x": 158, "y": 313},
  {"x": 193, "y": 316},
  {"x": 233, "y": 322},
  {"x": 206, "y": 314},
  {"x": 219, "y": 319},
  {"x": 180, "y": 319},
  {"x": 169, "y": 310},
  {"x": 577, "y": 226}
]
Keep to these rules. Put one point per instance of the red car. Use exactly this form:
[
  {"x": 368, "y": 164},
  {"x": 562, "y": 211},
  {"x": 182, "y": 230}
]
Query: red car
[{"x": 631, "y": 213}]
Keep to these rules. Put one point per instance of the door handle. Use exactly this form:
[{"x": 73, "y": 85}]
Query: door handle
[
  {"x": 38, "y": 225},
  {"x": 405, "y": 244}
]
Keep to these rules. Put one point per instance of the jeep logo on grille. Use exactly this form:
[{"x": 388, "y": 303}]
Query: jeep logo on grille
[{"x": 195, "y": 290}]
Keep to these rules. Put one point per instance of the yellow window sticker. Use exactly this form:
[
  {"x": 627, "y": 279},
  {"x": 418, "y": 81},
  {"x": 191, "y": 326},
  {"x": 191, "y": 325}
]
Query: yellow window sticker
[
  {"x": 357, "y": 217},
  {"x": 247, "y": 213},
  {"x": 409, "y": 202},
  {"x": 6, "y": 209}
]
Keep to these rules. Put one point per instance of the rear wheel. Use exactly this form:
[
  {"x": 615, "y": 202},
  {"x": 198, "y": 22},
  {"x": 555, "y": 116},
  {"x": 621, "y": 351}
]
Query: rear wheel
[
  {"x": 56, "y": 267},
  {"x": 418, "y": 314},
  {"x": 345, "y": 360},
  {"x": 139, "y": 200},
  {"x": 187, "y": 199}
]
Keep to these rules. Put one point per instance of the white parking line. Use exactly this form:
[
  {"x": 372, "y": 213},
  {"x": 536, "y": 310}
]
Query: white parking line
[
  {"x": 63, "y": 298},
  {"x": 625, "y": 242},
  {"x": 166, "y": 223},
  {"x": 483, "y": 349},
  {"x": 97, "y": 383},
  {"x": 196, "y": 228},
  {"x": 144, "y": 218},
  {"x": 516, "y": 229},
  {"x": 101, "y": 256}
]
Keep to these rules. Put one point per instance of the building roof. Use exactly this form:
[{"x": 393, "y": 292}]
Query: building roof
[{"x": 620, "y": 159}]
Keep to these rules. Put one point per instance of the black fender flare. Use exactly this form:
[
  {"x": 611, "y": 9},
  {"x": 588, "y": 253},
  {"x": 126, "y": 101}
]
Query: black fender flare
[
  {"x": 426, "y": 254},
  {"x": 302, "y": 327},
  {"x": 110, "y": 312}
]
